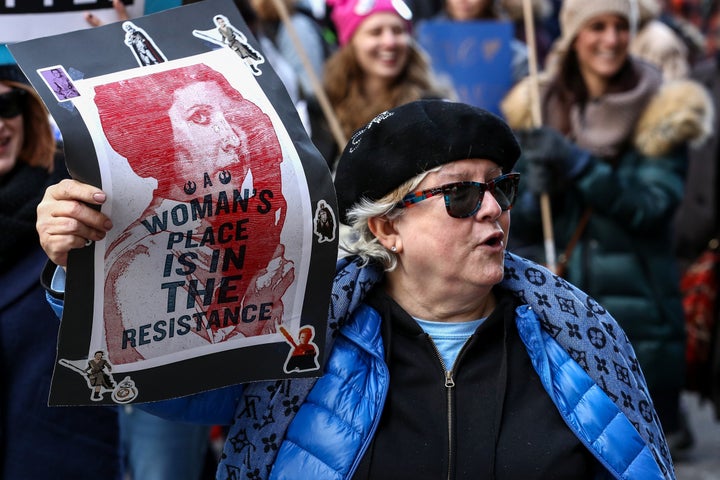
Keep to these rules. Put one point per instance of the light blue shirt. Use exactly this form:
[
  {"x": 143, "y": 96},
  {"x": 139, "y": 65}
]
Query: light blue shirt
[
  {"x": 57, "y": 283},
  {"x": 449, "y": 337}
]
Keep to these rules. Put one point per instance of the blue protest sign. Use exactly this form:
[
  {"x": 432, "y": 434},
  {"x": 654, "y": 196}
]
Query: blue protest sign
[{"x": 475, "y": 56}]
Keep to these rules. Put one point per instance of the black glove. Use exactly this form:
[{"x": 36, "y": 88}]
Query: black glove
[
  {"x": 539, "y": 179},
  {"x": 552, "y": 161}
]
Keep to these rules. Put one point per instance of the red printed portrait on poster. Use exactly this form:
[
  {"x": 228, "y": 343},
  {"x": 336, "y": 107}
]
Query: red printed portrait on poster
[
  {"x": 212, "y": 225},
  {"x": 218, "y": 266}
]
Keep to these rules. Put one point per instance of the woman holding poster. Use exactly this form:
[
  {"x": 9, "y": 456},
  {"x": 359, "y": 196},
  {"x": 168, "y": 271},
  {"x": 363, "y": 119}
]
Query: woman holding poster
[
  {"x": 444, "y": 345},
  {"x": 216, "y": 160}
]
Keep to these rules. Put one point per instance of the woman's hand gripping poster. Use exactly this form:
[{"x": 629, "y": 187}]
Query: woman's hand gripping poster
[{"x": 215, "y": 272}]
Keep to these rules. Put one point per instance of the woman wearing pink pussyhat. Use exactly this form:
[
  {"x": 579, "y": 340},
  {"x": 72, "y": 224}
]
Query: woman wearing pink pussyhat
[
  {"x": 377, "y": 66},
  {"x": 612, "y": 156}
]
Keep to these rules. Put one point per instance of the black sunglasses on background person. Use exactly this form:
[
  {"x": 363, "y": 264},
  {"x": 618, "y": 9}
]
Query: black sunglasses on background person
[{"x": 11, "y": 103}]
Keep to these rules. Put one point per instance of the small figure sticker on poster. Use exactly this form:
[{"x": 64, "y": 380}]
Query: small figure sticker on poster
[
  {"x": 303, "y": 354},
  {"x": 97, "y": 374},
  {"x": 142, "y": 46},
  {"x": 226, "y": 35},
  {"x": 324, "y": 222},
  {"x": 59, "y": 82}
]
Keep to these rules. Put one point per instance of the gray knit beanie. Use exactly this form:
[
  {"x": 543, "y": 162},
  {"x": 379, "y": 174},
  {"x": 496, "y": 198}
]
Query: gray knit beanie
[{"x": 575, "y": 13}]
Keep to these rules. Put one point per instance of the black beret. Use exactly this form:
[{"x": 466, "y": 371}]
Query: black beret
[{"x": 410, "y": 139}]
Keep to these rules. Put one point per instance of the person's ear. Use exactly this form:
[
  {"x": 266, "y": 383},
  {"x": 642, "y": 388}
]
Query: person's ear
[{"x": 386, "y": 233}]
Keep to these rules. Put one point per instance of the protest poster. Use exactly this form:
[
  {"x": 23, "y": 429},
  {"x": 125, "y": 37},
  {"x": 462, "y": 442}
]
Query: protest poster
[
  {"x": 475, "y": 56},
  {"x": 219, "y": 265}
]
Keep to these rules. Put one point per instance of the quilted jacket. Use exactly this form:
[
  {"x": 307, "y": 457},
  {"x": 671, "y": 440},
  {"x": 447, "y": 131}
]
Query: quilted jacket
[
  {"x": 624, "y": 256},
  {"x": 319, "y": 428}
]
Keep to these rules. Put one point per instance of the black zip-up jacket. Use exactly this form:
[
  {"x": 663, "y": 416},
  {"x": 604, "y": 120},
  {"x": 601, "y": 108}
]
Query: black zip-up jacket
[{"x": 434, "y": 415}]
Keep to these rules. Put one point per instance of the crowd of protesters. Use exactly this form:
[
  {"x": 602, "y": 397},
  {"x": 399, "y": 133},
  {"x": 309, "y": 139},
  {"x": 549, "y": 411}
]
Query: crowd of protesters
[{"x": 625, "y": 149}]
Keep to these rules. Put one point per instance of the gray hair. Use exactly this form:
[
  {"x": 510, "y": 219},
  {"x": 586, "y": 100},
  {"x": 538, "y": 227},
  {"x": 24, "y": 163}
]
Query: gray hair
[{"x": 360, "y": 240}]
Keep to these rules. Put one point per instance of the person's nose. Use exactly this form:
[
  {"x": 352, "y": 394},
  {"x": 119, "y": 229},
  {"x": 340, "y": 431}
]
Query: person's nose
[
  {"x": 611, "y": 35},
  {"x": 489, "y": 208},
  {"x": 229, "y": 140},
  {"x": 389, "y": 38}
]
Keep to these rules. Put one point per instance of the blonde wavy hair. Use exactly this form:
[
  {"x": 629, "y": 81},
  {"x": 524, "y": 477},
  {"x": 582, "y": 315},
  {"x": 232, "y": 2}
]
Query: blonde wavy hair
[{"x": 343, "y": 81}]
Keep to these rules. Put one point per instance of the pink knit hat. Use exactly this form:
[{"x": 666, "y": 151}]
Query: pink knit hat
[{"x": 347, "y": 15}]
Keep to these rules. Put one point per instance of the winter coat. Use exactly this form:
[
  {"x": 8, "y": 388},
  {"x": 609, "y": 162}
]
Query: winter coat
[
  {"x": 38, "y": 441},
  {"x": 624, "y": 257},
  {"x": 697, "y": 221},
  {"x": 698, "y": 218},
  {"x": 658, "y": 43},
  {"x": 319, "y": 428}
]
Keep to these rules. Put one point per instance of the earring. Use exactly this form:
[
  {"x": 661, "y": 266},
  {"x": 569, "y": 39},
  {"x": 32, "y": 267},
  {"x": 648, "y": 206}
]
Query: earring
[{"x": 393, "y": 249}]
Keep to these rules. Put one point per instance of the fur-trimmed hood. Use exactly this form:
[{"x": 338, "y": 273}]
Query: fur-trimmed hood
[{"x": 681, "y": 111}]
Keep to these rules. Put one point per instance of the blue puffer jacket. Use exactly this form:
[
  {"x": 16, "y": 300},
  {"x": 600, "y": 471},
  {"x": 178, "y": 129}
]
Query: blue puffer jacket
[
  {"x": 332, "y": 429},
  {"x": 320, "y": 428}
]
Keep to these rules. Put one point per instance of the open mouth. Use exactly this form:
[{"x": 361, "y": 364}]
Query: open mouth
[
  {"x": 5, "y": 144},
  {"x": 495, "y": 240}
]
